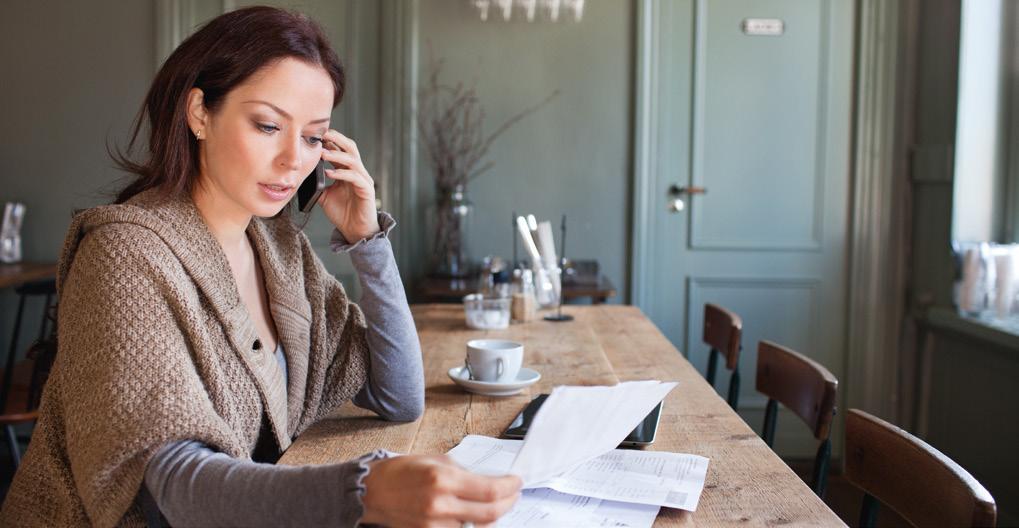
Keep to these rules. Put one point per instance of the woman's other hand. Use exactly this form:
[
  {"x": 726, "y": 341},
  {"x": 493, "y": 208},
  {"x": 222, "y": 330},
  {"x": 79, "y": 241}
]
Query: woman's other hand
[
  {"x": 350, "y": 202},
  {"x": 433, "y": 491}
]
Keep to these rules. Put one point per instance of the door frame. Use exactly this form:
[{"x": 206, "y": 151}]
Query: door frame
[
  {"x": 880, "y": 221},
  {"x": 646, "y": 141},
  {"x": 877, "y": 157}
]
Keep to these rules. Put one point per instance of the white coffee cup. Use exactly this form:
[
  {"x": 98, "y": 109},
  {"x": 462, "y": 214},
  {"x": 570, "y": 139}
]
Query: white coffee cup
[{"x": 494, "y": 360}]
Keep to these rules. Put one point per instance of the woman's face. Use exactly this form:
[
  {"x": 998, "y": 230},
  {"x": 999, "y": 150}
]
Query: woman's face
[{"x": 264, "y": 139}]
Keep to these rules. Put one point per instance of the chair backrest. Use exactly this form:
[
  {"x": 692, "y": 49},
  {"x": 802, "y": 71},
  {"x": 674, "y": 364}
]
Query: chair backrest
[
  {"x": 799, "y": 383},
  {"x": 723, "y": 331},
  {"x": 917, "y": 481}
]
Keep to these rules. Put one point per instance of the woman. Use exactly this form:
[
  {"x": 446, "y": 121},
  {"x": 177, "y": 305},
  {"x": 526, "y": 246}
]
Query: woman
[{"x": 199, "y": 333}]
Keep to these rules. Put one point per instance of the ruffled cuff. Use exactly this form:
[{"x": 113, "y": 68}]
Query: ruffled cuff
[
  {"x": 338, "y": 243},
  {"x": 354, "y": 481}
]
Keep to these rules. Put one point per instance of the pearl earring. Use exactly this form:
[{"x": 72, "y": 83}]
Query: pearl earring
[{"x": 198, "y": 134}]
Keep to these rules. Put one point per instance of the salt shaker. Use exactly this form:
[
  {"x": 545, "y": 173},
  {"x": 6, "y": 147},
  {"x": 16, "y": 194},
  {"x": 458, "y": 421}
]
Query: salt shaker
[{"x": 525, "y": 306}]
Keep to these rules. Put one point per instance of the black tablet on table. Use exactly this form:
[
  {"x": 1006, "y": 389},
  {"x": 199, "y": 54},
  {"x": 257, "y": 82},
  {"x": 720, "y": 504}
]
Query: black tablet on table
[{"x": 643, "y": 435}]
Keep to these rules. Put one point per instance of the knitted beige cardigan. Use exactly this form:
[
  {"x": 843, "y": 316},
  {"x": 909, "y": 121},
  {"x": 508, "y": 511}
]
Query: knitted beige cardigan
[{"x": 156, "y": 346}]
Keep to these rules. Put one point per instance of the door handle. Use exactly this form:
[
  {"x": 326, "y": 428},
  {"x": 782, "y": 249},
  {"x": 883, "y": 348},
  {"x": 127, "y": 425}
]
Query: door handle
[
  {"x": 676, "y": 190},
  {"x": 676, "y": 203}
]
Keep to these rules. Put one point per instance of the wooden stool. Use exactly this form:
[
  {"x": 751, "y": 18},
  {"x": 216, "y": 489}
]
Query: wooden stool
[
  {"x": 23, "y": 381},
  {"x": 905, "y": 473},
  {"x": 805, "y": 388},
  {"x": 723, "y": 331}
]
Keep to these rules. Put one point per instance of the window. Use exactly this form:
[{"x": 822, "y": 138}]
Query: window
[{"x": 982, "y": 165}]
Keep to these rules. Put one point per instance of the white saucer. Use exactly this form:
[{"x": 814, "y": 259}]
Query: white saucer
[{"x": 525, "y": 378}]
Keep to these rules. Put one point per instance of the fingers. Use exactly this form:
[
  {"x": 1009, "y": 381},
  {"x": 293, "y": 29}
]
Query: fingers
[
  {"x": 348, "y": 175},
  {"x": 363, "y": 187},
  {"x": 446, "y": 507},
  {"x": 432, "y": 490},
  {"x": 482, "y": 512},
  {"x": 472, "y": 497},
  {"x": 348, "y": 162},
  {"x": 340, "y": 158},
  {"x": 343, "y": 142},
  {"x": 474, "y": 487}
]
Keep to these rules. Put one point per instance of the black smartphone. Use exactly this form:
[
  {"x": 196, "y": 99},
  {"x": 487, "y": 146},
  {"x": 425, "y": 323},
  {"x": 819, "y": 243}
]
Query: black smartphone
[
  {"x": 311, "y": 188},
  {"x": 643, "y": 435}
]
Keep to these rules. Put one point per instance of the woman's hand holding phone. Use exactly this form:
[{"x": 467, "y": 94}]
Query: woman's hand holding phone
[{"x": 350, "y": 202}]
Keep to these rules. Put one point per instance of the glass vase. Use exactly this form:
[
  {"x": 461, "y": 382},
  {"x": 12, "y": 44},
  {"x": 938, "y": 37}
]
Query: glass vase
[{"x": 452, "y": 222}]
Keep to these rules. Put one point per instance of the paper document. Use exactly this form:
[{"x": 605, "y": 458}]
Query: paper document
[
  {"x": 577, "y": 424},
  {"x": 546, "y": 508},
  {"x": 637, "y": 477}
]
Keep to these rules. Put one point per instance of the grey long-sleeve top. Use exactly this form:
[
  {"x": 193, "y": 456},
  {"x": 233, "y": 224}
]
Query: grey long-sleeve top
[{"x": 193, "y": 485}]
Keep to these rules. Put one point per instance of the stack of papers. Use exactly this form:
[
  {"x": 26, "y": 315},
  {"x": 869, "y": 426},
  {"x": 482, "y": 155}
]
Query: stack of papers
[{"x": 574, "y": 476}]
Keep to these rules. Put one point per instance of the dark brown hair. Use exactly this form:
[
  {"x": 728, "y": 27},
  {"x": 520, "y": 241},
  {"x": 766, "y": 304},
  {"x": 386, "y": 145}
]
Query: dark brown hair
[{"x": 222, "y": 54}]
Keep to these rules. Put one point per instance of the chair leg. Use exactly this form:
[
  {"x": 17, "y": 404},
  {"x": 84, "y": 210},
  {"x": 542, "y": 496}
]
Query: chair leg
[
  {"x": 770, "y": 416},
  {"x": 712, "y": 367},
  {"x": 12, "y": 355},
  {"x": 45, "y": 317},
  {"x": 868, "y": 512},
  {"x": 734, "y": 388},
  {"x": 12, "y": 445},
  {"x": 820, "y": 477}
]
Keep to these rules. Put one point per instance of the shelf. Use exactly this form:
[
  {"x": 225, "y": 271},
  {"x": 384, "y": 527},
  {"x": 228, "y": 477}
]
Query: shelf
[{"x": 1002, "y": 333}]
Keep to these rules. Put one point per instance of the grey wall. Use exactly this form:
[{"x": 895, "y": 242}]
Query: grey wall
[
  {"x": 74, "y": 75},
  {"x": 68, "y": 91},
  {"x": 571, "y": 157}
]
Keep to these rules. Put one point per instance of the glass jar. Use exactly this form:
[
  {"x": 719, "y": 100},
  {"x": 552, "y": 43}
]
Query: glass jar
[{"x": 547, "y": 286}]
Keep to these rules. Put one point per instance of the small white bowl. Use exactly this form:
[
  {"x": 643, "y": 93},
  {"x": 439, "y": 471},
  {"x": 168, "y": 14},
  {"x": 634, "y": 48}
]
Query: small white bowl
[{"x": 486, "y": 313}]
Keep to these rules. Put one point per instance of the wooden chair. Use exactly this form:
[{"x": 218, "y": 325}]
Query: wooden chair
[
  {"x": 905, "y": 473},
  {"x": 723, "y": 332},
  {"x": 23, "y": 381},
  {"x": 804, "y": 387}
]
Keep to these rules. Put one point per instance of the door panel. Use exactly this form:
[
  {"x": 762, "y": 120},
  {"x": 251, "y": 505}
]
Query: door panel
[
  {"x": 757, "y": 115},
  {"x": 780, "y": 308}
]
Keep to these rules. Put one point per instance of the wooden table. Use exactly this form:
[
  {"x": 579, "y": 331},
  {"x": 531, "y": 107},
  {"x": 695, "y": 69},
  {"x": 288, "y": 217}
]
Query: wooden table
[
  {"x": 22, "y": 272},
  {"x": 747, "y": 484},
  {"x": 432, "y": 289}
]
